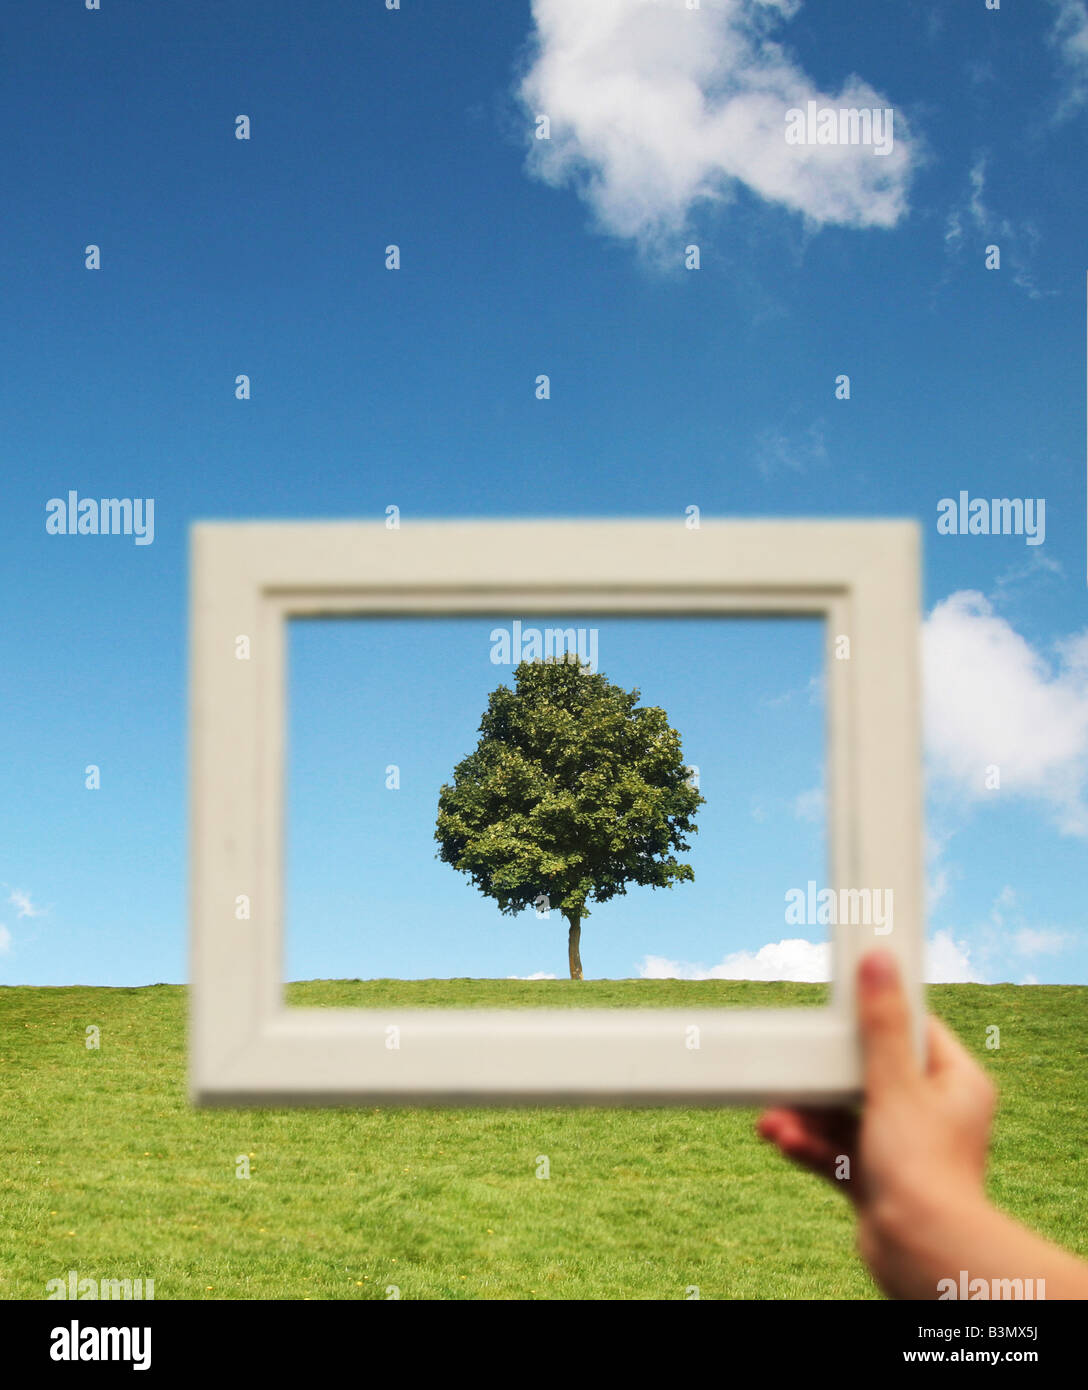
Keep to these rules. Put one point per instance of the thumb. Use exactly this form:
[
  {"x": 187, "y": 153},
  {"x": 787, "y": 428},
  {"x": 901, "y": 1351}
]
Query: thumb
[{"x": 884, "y": 1022}]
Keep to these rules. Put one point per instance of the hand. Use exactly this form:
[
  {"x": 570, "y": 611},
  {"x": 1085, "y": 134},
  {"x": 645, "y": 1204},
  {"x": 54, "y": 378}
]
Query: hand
[
  {"x": 917, "y": 1162},
  {"x": 919, "y": 1147}
]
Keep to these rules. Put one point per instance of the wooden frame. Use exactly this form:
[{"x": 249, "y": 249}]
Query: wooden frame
[{"x": 247, "y": 1047}]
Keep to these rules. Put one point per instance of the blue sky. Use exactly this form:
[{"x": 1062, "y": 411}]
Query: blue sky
[{"x": 670, "y": 387}]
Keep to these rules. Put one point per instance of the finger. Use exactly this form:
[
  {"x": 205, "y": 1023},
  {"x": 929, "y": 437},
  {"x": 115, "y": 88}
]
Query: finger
[
  {"x": 838, "y": 1126},
  {"x": 884, "y": 1021},
  {"x": 945, "y": 1054},
  {"x": 953, "y": 1067},
  {"x": 832, "y": 1123},
  {"x": 819, "y": 1141},
  {"x": 789, "y": 1131}
]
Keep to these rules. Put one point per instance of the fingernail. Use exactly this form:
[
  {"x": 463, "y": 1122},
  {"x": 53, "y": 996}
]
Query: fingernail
[{"x": 879, "y": 970}]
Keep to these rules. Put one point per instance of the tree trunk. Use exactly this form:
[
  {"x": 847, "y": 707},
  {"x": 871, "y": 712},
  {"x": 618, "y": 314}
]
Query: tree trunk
[{"x": 574, "y": 940}]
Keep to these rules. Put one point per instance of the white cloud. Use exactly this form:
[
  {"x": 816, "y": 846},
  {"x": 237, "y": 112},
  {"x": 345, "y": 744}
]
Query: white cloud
[
  {"x": 654, "y": 107},
  {"x": 779, "y": 960},
  {"x": 538, "y": 975},
  {"x": 992, "y": 699},
  {"x": 947, "y": 962},
  {"x": 5, "y": 940}
]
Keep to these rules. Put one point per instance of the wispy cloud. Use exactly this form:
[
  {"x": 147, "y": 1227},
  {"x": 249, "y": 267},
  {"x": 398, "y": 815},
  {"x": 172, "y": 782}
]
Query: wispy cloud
[
  {"x": 812, "y": 693},
  {"x": 1017, "y": 241},
  {"x": 778, "y": 451},
  {"x": 1036, "y": 564},
  {"x": 1009, "y": 934},
  {"x": 1069, "y": 38},
  {"x": 655, "y": 108},
  {"x": 23, "y": 905},
  {"x": 810, "y": 805},
  {"x": 1035, "y": 941},
  {"x": 939, "y": 872},
  {"x": 1000, "y": 944}
]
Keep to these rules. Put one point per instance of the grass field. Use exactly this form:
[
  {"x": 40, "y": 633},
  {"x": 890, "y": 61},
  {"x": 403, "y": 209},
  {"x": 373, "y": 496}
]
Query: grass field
[{"x": 106, "y": 1169}]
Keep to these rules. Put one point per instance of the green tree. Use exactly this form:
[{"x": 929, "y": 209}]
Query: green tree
[{"x": 572, "y": 793}]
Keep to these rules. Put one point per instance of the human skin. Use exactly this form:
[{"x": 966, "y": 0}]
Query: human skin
[{"x": 918, "y": 1152}]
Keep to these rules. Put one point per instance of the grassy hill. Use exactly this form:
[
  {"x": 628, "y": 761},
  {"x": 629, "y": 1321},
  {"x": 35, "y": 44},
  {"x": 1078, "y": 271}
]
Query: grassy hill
[{"x": 106, "y": 1169}]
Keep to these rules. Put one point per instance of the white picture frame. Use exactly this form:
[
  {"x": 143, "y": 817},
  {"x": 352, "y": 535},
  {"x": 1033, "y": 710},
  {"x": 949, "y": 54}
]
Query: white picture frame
[{"x": 248, "y": 578}]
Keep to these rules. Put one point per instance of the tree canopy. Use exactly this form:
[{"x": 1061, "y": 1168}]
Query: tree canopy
[{"x": 573, "y": 792}]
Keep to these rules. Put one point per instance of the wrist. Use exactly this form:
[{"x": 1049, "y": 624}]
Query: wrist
[
  {"x": 914, "y": 1236},
  {"x": 913, "y": 1209}
]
